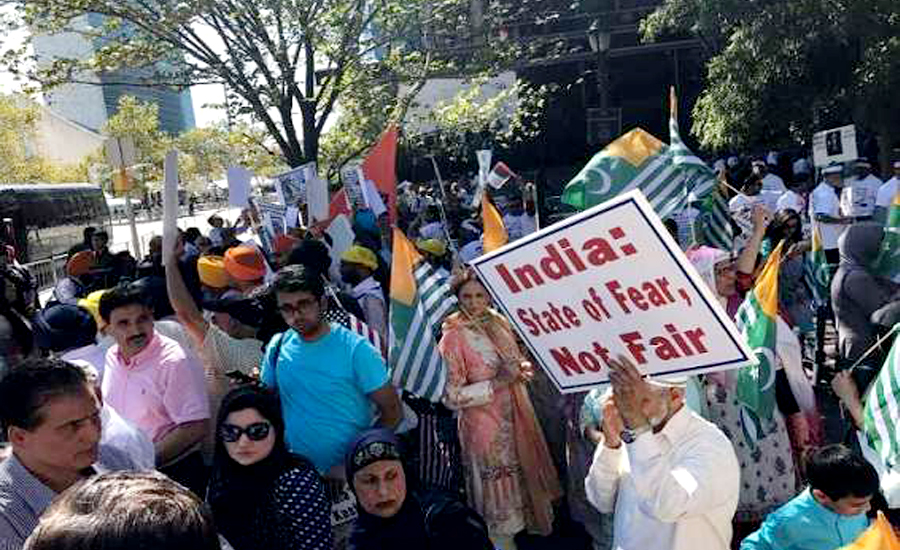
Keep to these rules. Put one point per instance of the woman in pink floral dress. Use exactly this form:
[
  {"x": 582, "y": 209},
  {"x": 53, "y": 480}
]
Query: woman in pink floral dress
[{"x": 510, "y": 478}]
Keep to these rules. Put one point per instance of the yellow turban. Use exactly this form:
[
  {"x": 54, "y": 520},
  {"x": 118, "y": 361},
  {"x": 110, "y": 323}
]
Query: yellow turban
[
  {"x": 91, "y": 302},
  {"x": 436, "y": 247},
  {"x": 212, "y": 271},
  {"x": 360, "y": 255}
]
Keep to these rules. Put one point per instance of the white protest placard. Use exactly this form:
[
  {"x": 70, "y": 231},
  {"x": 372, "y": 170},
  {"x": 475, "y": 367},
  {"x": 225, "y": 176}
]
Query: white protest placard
[
  {"x": 239, "y": 179},
  {"x": 170, "y": 203},
  {"x": 835, "y": 145},
  {"x": 610, "y": 281},
  {"x": 291, "y": 186},
  {"x": 316, "y": 195},
  {"x": 370, "y": 195},
  {"x": 350, "y": 178}
]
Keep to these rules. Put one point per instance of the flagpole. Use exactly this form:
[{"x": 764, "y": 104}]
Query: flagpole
[
  {"x": 444, "y": 221},
  {"x": 874, "y": 347}
]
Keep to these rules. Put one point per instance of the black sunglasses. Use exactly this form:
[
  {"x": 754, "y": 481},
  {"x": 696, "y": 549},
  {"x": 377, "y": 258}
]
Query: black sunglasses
[{"x": 255, "y": 432}]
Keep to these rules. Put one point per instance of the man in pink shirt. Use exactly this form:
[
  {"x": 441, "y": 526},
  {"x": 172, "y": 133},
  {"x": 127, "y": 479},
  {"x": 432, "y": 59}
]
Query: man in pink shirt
[{"x": 153, "y": 383}]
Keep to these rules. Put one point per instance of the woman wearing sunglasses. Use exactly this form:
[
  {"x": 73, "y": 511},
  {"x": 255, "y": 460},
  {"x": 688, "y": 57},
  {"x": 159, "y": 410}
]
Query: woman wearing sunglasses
[{"x": 262, "y": 496}]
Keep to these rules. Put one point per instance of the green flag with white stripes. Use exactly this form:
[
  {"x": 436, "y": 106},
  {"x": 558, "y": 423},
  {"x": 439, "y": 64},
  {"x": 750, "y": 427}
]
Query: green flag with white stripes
[{"x": 881, "y": 414}]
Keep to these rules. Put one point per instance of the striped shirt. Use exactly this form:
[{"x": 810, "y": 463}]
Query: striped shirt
[{"x": 23, "y": 497}]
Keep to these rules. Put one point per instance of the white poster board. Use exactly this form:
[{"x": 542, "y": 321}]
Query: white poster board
[
  {"x": 610, "y": 281},
  {"x": 170, "y": 204},
  {"x": 834, "y": 146},
  {"x": 239, "y": 179}
]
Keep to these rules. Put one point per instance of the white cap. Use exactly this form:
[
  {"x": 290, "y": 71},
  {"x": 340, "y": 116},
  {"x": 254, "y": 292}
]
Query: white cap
[
  {"x": 669, "y": 380},
  {"x": 733, "y": 161},
  {"x": 896, "y": 164},
  {"x": 862, "y": 162},
  {"x": 772, "y": 158},
  {"x": 833, "y": 169},
  {"x": 801, "y": 166}
]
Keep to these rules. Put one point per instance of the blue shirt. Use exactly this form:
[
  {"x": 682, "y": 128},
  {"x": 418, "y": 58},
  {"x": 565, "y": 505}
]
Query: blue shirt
[
  {"x": 324, "y": 387},
  {"x": 804, "y": 524}
]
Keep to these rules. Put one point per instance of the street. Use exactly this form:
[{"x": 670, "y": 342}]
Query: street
[{"x": 120, "y": 239}]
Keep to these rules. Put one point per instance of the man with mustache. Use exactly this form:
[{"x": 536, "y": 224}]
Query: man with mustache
[{"x": 152, "y": 382}]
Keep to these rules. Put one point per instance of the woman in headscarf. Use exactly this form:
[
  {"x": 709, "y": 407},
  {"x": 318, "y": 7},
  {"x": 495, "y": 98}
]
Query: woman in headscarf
[
  {"x": 391, "y": 517},
  {"x": 262, "y": 496},
  {"x": 856, "y": 293},
  {"x": 768, "y": 472},
  {"x": 510, "y": 477}
]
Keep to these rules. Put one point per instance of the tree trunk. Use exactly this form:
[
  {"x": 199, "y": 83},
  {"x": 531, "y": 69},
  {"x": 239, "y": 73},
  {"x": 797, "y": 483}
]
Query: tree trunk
[{"x": 310, "y": 132}]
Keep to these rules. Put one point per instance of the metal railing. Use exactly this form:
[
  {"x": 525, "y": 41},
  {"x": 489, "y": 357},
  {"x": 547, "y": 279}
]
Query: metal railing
[{"x": 47, "y": 272}]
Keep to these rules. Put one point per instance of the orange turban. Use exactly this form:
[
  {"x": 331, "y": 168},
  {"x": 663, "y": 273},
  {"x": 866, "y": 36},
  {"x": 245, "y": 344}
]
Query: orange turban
[
  {"x": 80, "y": 263},
  {"x": 212, "y": 271},
  {"x": 245, "y": 263}
]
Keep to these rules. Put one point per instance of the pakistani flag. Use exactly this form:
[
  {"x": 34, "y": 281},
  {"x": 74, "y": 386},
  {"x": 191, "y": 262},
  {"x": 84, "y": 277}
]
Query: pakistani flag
[
  {"x": 756, "y": 319},
  {"x": 420, "y": 299},
  {"x": 816, "y": 271},
  {"x": 881, "y": 412},
  {"x": 888, "y": 262}
]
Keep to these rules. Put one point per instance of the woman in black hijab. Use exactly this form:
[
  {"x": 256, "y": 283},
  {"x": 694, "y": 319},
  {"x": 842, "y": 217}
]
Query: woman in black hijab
[
  {"x": 391, "y": 517},
  {"x": 262, "y": 496}
]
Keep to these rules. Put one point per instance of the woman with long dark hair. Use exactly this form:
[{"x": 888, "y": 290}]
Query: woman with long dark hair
[{"x": 261, "y": 495}]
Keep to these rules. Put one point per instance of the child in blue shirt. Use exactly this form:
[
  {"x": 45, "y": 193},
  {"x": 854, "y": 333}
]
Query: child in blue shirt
[{"x": 830, "y": 513}]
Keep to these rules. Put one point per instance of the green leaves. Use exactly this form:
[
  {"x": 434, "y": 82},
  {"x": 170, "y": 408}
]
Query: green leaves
[{"x": 778, "y": 71}]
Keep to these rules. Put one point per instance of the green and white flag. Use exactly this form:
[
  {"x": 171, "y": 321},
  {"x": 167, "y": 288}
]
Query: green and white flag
[
  {"x": 757, "y": 321},
  {"x": 702, "y": 178},
  {"x": 888, "y": 262},
  {"x": 881, "y": 411},
  {"x": 816, "y": 271}
]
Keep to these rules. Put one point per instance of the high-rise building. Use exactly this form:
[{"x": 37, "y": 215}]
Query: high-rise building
[{"x": 95, "y": 97}]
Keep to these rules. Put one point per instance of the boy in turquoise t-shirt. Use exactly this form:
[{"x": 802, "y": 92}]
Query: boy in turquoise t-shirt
[{"x": 828, "y": 515}]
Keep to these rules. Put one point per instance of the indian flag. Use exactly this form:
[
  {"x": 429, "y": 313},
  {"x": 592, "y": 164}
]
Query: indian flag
[
  {"x": 881, "y": 414},
  {"x": 888, "y": 262},
  {"x": 756, "y": 319},
  {"x": 420, "y": 299}
]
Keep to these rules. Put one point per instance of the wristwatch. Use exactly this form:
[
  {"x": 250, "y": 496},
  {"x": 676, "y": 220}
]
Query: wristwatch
[{"x": 629, "y": 435}]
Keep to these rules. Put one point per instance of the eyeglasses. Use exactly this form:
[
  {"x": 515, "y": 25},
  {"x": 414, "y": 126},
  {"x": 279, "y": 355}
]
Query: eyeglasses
[{"x": 255, "y": 432}]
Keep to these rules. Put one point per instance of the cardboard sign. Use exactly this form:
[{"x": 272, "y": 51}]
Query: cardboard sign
[
  {"x": 835, "y": 145},
  {"x": 170, "y": 204},
  {"x": 610, "y": 281}
]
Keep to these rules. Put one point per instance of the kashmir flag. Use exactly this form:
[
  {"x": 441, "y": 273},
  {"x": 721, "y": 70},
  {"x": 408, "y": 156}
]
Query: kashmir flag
[
  {"x": 636, "y": 160},
  {"x": 888, "y": 262},
  {"x": 816, "y": 271},
  {"x": 715, "y": 222},
  {"x": 702, "y": 178},
  {"x": 881, "y": 413},
  {"x": 879, "y": 536},
  {"x": 495, "y": 234},
  {"x": 756, "y": 319},
  {"x": 420, "y": 299}
]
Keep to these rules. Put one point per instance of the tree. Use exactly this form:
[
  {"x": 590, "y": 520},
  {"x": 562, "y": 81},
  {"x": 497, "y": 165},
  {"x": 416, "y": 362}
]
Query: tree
[
  {"x": 778, "y": 71},
  {"x": 277, "y": 58},
  {"x": 20, "y": 162}
]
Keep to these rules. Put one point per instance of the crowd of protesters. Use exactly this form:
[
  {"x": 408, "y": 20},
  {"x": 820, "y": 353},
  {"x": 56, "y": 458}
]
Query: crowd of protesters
[{"x": 240, "y": 372}]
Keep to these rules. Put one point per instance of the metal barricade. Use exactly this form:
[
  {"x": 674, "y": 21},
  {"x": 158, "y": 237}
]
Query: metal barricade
[{"x": 47, "y": 272}]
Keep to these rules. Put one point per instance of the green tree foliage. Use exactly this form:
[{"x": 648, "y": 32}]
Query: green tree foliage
[
  {"x": 779, "y": 71},
  {"x": 285, "y": 63},
  {"x": 20, "y": 160}
]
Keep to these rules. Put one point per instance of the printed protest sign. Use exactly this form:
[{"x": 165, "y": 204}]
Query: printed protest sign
[
  {"x": 291, "y": 186},
  {"x": 610, "y": 281},
  {"x": 239, "y": 189},
  {"x": 835, "y": 145}
]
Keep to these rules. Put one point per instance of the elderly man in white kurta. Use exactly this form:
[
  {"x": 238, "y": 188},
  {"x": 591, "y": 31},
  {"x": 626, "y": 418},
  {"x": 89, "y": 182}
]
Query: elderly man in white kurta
[{"x": 670, "y": 477}]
